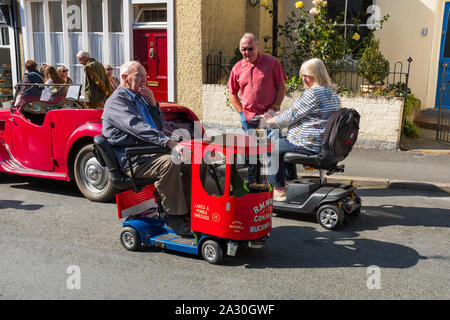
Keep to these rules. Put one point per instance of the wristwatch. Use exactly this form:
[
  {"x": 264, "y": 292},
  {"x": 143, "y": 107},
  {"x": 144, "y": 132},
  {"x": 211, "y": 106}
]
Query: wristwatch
[{"x": 276, "y": 107}]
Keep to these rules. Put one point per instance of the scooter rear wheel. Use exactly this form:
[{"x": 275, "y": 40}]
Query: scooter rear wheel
[
  {"x": 330, "y": 216},
  {"x": 212, "y": 251}
]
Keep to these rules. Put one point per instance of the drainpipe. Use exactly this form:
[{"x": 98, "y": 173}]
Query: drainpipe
[
  {"x": 15, "y": 25},
  {"x": 274, "y": 27}
]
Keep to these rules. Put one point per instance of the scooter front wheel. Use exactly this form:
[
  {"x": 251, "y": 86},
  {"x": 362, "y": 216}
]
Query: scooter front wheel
[
  {"x": 212, "y": 251},
  {"x": 130, "y": 239},
  {"x": 330, "y": 216}
]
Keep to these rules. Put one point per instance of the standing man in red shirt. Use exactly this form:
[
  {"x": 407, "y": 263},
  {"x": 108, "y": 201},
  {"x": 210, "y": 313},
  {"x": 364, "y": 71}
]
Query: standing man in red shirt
[{"x": 259, "y": 78}]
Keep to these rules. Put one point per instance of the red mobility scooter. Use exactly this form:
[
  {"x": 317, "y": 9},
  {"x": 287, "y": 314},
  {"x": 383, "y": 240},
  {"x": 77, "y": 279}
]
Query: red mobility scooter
[{"x": 226, "y": 211}]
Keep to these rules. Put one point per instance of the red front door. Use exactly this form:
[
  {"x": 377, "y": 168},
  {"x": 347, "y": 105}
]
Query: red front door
[{"x": 150, "y": 49}]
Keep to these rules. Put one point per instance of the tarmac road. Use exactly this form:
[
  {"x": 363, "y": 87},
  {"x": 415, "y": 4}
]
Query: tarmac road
[{"x": 49, "y": 234}]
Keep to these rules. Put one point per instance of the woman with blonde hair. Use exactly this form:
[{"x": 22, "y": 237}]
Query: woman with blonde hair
[
  {"x": 306, "y": 120},
  {"x": 63, "y": 72}
]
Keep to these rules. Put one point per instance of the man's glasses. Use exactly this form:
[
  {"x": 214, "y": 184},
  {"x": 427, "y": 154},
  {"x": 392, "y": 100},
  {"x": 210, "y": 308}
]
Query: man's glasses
[
  {"x": 247, "y": 49},
  {"x": 109, "y": 69}
]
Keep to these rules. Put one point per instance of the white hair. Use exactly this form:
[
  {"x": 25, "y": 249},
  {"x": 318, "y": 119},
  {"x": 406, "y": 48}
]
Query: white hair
[
  {"x": 129, "y": 66},
  {"x": 249, "y": 36},
  {"x": 83, "y": 54}
]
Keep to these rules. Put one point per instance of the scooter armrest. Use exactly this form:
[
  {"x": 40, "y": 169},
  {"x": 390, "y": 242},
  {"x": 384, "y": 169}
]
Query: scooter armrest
[{"x": 139, "y": 150}]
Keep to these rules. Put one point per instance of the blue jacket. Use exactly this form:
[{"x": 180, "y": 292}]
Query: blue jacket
[
  {"x": 33, "y": 76},
  {"x": 124, "y": 126}
]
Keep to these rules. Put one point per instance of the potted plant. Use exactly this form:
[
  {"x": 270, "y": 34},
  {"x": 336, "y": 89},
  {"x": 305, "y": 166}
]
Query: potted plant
[{"x": 373, "y": 67}]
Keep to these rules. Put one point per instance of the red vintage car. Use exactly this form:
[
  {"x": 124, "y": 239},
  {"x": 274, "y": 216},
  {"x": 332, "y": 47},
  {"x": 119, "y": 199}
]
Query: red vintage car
[{"x": 51, "y": 136}]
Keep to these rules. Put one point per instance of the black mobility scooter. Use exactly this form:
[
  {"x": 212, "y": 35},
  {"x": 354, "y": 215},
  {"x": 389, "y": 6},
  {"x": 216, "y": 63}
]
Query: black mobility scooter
[{"x": 330, "y": 202}]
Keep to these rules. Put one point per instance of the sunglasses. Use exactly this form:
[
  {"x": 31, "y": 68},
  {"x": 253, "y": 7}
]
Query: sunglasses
[
  {"x": 65, "y": 70},
  {"x": 109, "y": 69},
  {"x": 247, "y": 49}
]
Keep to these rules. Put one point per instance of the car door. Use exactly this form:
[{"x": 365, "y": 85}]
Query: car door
[{"x": 31, "y": 141}]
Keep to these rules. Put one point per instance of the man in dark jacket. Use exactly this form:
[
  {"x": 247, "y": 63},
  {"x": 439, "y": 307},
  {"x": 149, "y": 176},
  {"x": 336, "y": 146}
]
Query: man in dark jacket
[
  {"x": 132, "y": 116},
  {"x": 97, "y": 87}
]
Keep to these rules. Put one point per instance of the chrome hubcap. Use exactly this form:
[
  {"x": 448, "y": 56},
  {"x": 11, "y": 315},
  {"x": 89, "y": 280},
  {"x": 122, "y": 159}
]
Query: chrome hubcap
[
  {"x": 329, "y": 218},
  {"x": 94, "y": 175},
  {"x": 128, "y": 239},
  {"x": 210, "y": 252}
]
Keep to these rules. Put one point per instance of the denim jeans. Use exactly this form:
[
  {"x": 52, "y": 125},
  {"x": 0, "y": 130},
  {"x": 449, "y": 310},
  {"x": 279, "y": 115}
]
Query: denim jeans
[{"x": 286, "y": 171}]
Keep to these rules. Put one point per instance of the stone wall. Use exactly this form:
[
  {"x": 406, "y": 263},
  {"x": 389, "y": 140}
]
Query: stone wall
[{"x": 380, "y": 124}]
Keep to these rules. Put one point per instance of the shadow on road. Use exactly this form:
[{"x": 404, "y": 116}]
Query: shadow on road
[
  {"x": 42, "y": 185},
  {"x": 14, "y": 204},
  {"x": 305, "y": 247}
]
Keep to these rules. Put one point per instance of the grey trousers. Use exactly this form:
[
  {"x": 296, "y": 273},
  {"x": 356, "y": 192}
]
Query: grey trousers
[{"x": 173, "y": 182}]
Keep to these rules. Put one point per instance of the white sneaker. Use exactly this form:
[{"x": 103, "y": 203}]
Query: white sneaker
[{"x": 279, "y": 195}]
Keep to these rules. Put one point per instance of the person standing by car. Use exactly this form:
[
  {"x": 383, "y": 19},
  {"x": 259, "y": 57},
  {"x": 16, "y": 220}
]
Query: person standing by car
[
  {"x": 132, "y": 116},
  {"x": 30, "y": 93},
  {"x": 112, "y": 79},
  {"x": 63, "y": 72},
  {"x": 97, "y": 87},
  {"x": 56, "y": 93}
]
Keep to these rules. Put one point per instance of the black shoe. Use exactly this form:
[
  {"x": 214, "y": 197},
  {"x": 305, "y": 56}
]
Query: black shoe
[{"x": 179, "y": 224}]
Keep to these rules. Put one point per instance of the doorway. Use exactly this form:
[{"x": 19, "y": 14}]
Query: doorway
[
  {"x": 442, "y": 96},
  {"x": 150, "y": 49}
]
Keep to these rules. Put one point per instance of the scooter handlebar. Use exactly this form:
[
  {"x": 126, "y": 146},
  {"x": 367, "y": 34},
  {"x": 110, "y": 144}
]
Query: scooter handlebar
[{"x": 256, "y": 119}]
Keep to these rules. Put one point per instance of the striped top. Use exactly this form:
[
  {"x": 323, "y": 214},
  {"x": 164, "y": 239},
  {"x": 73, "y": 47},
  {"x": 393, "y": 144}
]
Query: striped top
[{"x": 307, "y": 118}]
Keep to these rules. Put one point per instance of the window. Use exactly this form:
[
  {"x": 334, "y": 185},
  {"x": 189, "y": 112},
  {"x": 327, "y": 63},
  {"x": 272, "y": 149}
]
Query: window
[
  {"x": 4, "y": 36},
  {"x": 59, "y": 29},
  {"x": 95, "y": 29},
  {"x": 151, "y": 13},
  {"x": 116, "y": 48},
  {"x": 56, "y": 32},
  {"x": 357, "y": 15},
  {"x": 75, "y": 30},
  {"x": 38, "y": 32}
]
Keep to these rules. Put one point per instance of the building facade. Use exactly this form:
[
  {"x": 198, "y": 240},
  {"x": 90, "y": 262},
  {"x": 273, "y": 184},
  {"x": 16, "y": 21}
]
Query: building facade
[{"x": 172, "y": 38}]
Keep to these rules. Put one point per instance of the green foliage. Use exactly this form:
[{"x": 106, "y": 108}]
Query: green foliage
[
  {"x": 373, "y": 66},
  {"x": 410, "y": 130},
  {"x": 411, "y": 103},
  {"x": 293, "y": 84}
]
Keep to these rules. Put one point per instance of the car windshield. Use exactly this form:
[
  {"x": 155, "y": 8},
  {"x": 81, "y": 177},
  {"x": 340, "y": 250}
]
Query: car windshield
[{"x": 49, "y": 93}]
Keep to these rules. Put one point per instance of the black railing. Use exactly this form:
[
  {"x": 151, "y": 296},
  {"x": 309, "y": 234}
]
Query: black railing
[
  {"x": 345, "y": 76},
  {"x": 349, "y": 79},
  {"x": 218, "y": 68},
  {"x": 443, "y": 124}
]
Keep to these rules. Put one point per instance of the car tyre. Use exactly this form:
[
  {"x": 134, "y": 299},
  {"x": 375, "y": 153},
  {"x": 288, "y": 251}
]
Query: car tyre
[
  {"x": 212, "y": 251},
  {"x": 330, "y": 216},
  {"x": 91, "y": 178},
  {"x": 130, "y": 239}
]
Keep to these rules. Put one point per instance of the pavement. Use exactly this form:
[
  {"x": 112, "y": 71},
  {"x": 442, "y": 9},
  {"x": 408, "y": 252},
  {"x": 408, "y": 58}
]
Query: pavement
[{"x": 421, "y": 163}]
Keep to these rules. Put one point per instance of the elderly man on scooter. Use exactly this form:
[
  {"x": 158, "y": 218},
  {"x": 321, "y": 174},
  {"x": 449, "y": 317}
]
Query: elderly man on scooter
[{"x": 132, "y": 116}]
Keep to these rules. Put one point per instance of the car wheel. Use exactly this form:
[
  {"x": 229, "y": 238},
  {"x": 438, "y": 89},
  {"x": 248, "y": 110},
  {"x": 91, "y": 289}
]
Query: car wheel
[
  {"x": 92, "y": 179},
  {"x": 330, "y": 216},
  {"x": 130, "y": 239},
  {"x": 212, "y": 251}
]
